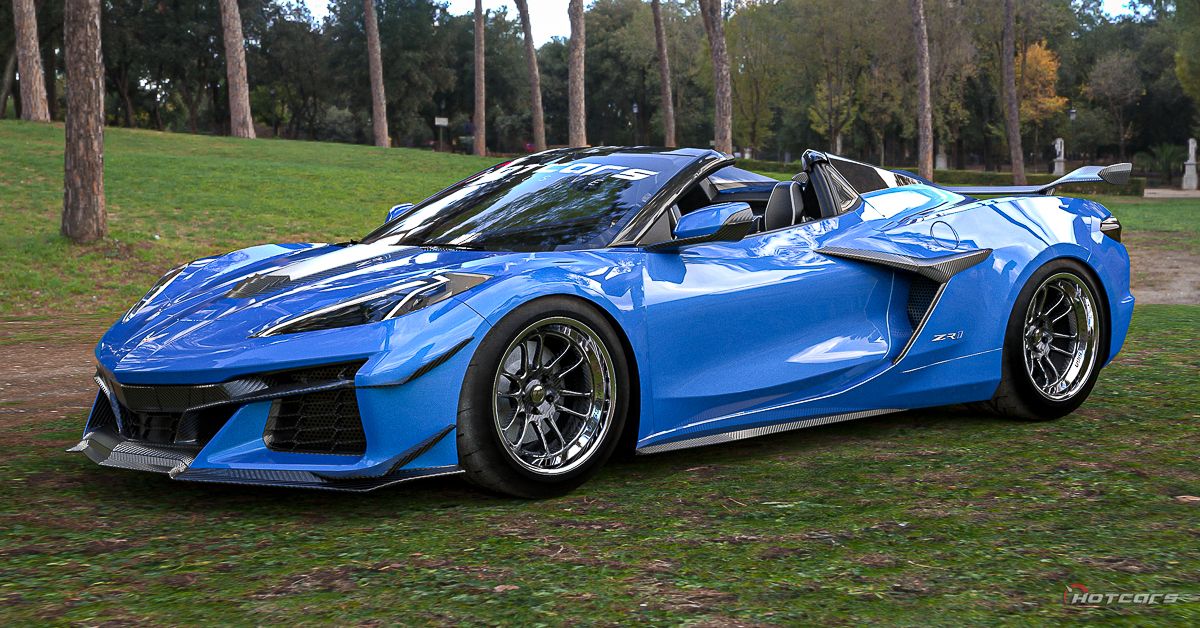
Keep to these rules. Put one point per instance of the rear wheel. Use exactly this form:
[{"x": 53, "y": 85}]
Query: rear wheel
[
  {"x": 1053, "y": 346},
  {"x": 544, "y": 400}
]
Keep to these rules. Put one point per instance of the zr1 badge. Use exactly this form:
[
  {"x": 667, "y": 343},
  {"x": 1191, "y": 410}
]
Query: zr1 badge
[{"x": 955, "y": 335}]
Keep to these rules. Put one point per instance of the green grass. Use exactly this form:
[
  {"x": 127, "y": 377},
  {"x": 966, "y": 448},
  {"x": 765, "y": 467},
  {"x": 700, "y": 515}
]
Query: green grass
[
  {"x": 173, "y": 198},
  {"x": 933, "y": 517},
  {"x": 1140, "y": 215},
  {"x": 921, "y": 518}
]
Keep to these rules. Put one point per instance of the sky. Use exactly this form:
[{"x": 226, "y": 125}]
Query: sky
[{"x": 548, "y": 18}]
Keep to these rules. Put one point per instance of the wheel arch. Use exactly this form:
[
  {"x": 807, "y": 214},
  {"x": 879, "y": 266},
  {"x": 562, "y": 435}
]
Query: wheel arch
[
  {"x": 1102, "y": 297},
  {"x": 627, "y": 441}
]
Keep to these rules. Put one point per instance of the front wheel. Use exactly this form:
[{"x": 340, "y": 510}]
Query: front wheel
[
  {"x": 544, "y": 400},
  {"x": 1054, "y": 344}
]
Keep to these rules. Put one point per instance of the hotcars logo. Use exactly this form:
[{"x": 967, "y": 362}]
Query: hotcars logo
[
  {"x": 576, "y": 168},
  {"x": 1079, "y": 595}
]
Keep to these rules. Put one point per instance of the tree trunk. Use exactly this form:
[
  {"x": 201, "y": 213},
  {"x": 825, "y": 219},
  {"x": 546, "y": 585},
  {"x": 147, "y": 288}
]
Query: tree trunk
[
  {"x": 6, "y": 81},
  {"x": 480, "y": 82},
  {"x": 84, "y": 217},
  {"x": 1012, "y": 111},
  {"x": 49, "y": 62},
  {"x": 924, "y": 107},
  {"x": 576, "y": 112},
  {"x": 375, "y": 68},
  {"x": 126, "y": 99},
  {"x": 664, "y": 75},
  {"x": 1123, "y": 132},
  {"x": 714, "y": 25},
  {"x": 241, "y": 124},
  {"x": 29, "y": 62},
  {"x": 535, "y": 79}
]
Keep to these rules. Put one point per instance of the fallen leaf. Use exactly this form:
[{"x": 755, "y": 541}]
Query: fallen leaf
[
  {"x": 1187, "y": 499},
  {"x": 501, "y": 588}
]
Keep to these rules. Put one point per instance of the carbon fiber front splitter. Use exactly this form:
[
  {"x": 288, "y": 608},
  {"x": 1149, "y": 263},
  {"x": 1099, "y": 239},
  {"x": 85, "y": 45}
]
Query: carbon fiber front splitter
[{"x": 108, "y": 449}]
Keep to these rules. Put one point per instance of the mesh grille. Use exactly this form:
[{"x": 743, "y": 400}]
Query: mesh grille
[
  {"x": 323, "y": 422},
  {"x": 920, "y": 297},
  {"x": 314, "y": 375}
]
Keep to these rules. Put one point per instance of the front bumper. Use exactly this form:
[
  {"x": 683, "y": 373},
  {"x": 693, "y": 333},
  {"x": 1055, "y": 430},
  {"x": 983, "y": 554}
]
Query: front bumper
[
  {"x": 108, "y": 449},
  {"x": 385, "y": 398}
]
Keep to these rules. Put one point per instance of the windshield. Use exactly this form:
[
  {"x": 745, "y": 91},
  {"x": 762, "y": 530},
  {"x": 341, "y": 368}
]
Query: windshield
[{"x": 547, "y": 202}]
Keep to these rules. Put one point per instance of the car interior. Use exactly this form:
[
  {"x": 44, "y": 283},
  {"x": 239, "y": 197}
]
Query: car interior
[{"x": 780, "y": 206}]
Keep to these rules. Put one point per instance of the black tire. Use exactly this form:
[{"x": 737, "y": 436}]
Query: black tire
[
  {"x": 488, "y": 460},
  {"x": 1019, "y": 395}
]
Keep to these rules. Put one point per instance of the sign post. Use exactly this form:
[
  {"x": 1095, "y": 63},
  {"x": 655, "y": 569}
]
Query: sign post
[{"x": 441, "y": 124}]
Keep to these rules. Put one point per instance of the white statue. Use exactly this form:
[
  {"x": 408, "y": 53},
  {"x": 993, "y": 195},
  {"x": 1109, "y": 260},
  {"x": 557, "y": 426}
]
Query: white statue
[
  {"x": 1190, "y": 181},
  {"x": 1060, "y": 161}
]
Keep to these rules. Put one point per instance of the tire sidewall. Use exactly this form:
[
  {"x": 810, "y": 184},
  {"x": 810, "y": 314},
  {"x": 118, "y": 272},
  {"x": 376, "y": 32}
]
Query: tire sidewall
[
  {"x": 1015, "y": 373},
  {"x": 489, "y": 463}
]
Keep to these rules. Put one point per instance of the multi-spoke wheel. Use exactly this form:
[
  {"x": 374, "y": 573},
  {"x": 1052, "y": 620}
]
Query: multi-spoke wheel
[
  {"x": 544, "y": 400},
  {"x": 1054, "y": 344},
  {"x": 1060, "y": 336},
  {"x": 554, "y": 396}
]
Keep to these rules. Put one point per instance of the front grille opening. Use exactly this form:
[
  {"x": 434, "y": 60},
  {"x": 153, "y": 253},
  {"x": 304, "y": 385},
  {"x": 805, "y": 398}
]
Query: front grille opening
[
  {"x": 314, "y": 374},
  {"x": 921, "y": 293},
  {"x": 102, "y": 416},
  {"x": 325, "y": 422},
  {"x": 189, "y": 430}
]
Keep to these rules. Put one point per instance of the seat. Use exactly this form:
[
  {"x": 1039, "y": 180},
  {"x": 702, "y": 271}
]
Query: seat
[{"x": 785, "y": 207}]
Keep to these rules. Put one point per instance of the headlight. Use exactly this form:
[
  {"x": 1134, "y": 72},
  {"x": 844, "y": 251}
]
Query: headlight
[
  {"x": 381, "y": 305},
  {"x": 158, "y": 288}
]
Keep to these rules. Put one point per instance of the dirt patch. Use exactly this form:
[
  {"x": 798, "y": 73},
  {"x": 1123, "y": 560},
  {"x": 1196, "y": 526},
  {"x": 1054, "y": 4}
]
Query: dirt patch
[
  {"x": 338, "y": 579},
  {"x": 47, "y": 370},
  {"x": 1166, "y": 268}
]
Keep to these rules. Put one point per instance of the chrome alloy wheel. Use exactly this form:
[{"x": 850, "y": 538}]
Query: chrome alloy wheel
[
  {"x": 1061, "y": 336},
  {"x": 554, "y": 396}
]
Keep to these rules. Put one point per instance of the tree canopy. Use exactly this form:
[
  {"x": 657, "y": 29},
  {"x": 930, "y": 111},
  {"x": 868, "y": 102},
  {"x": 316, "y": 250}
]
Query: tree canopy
[{"x": 805, "y": 73}]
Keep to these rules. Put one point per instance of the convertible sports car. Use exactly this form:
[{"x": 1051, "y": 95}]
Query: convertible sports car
[{"x": 522, "y": 325}]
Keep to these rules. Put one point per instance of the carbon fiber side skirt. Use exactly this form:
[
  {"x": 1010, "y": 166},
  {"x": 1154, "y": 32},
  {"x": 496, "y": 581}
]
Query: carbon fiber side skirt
[{"x": 725, "y": 437}]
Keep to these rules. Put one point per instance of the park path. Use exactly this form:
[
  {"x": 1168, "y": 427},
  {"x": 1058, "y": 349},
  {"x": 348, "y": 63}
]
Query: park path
[{"x": 1170, "y": 193}]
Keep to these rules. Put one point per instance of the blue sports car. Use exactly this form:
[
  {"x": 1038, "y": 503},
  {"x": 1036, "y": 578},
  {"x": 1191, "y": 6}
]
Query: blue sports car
[{"x": 524, "y": 324}]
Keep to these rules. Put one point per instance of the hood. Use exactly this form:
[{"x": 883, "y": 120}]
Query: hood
[{"x": 219, "y": 304}]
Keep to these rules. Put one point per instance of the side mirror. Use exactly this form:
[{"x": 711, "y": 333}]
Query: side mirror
[
  {"x": 396, "y": 210},
  {"x": 723, "y": 222}
]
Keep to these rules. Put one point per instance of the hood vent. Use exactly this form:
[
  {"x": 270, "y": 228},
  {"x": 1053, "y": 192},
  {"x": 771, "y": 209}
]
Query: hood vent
[{"x": 256, "y": 284}]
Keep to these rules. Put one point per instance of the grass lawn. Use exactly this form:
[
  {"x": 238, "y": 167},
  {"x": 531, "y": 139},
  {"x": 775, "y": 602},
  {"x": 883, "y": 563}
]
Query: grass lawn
[
  {"x": 174, "y": 198},
  {"x": 922, "y": 518}
]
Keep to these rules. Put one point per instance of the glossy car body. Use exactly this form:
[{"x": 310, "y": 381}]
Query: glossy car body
[{"x": 896, "y": 299}]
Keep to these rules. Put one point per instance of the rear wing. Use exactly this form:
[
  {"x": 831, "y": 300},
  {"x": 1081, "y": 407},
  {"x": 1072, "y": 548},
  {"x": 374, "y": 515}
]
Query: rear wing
[{"x": 1116, "y": 174}]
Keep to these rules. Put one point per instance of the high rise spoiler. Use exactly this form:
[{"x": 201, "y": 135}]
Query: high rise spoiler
[{"x": 1116, "y": 174}]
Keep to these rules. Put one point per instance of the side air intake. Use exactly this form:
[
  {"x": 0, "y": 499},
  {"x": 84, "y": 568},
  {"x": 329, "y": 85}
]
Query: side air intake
[{"x": 928, "y": 279}]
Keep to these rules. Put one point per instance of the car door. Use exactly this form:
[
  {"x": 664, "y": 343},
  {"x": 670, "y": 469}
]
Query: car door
[{"x": 742, "y": 333}]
